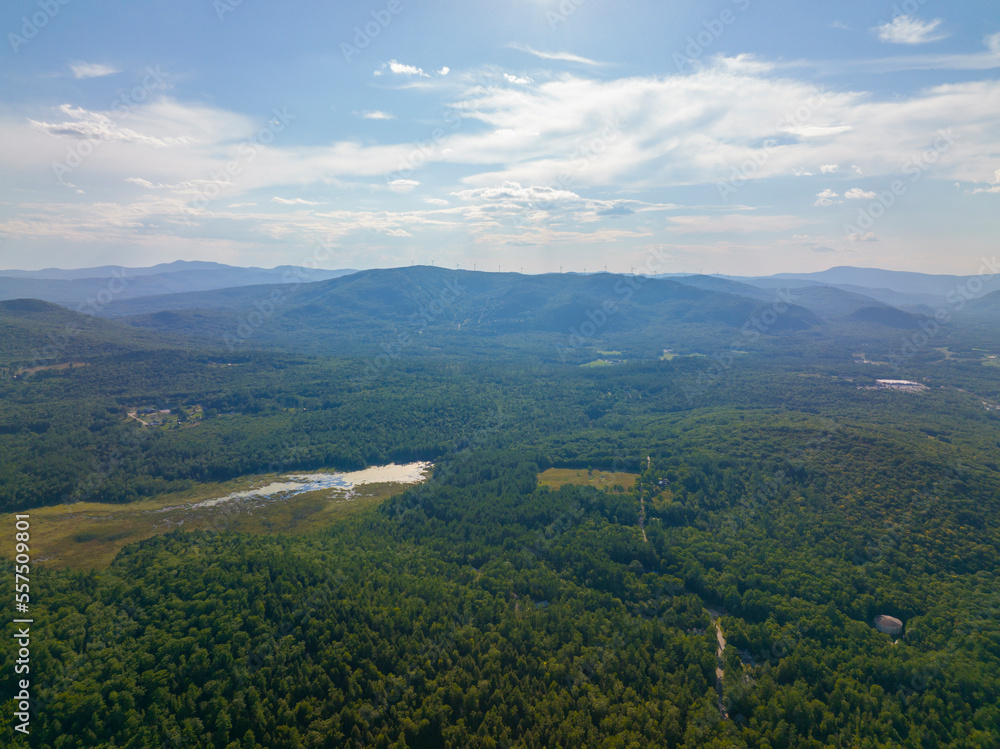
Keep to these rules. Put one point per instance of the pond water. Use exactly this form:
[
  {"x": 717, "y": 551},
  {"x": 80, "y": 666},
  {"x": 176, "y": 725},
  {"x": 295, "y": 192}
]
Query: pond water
[{"x": 297, "y": 483}]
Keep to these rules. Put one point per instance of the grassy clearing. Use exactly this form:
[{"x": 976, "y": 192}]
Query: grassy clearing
[
  {"x": 556, "y": 477},
  {"x": 88, "y": 535},
  {"x": 52, "y": 367},
  {"x": 669, "y": 355}
]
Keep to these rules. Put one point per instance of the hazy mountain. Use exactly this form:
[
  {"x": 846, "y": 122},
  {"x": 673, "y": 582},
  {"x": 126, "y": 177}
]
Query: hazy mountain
[
  {"x": 987, "y": 306},
  {"x": 90, "y": 289},
  {"x": 921, "y": 303},
  {"x": 34, "y": 333},
  {"x": 725, "y": 285},
  {"x": 424, "y": 309},
  {"x": 902, "y": 282}
]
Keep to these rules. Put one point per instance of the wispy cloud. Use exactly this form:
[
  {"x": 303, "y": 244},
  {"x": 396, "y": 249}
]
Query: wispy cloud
[
  {"x": 97, "y": 126},
  {"x": 294, "y": 201},
  {"x": 986, "y": 60},
  {"x": 92, "y": 70},
  {"x": 377, "y": 115},
  {"x": 516, "y": 78},
  {"x": 909, "y": 30},
  {"x": 560, "y": 56},
  {"x": 992, "y": 187}
]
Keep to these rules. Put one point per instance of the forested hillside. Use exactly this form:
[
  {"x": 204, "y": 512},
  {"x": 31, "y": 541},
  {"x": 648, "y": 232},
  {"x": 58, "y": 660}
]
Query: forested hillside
[{"x": 778, "y": 497}]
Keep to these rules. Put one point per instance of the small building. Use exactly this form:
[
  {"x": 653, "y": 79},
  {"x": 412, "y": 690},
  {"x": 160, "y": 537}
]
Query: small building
[{"x": 888, "y": 624}]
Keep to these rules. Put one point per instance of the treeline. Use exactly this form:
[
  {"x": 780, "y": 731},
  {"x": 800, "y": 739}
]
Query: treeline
[
  {"x": 66, "y": 435},
  {"x": 481, "y": 610}
]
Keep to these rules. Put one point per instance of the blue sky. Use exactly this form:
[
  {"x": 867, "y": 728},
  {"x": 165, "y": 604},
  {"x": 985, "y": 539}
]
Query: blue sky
[{"x": 736, "y": 136}]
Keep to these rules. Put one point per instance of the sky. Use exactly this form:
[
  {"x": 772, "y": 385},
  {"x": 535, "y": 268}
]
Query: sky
[{"x": 743, "y": 137}]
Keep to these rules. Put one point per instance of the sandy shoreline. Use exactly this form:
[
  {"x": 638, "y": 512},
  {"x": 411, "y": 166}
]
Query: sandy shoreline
[{"x": 297, "y": 483}]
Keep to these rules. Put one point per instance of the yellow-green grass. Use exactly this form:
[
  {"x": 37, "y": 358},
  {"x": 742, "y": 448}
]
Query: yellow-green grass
[
  {"x": 556, "y": 477},
  {"x": 671, "y": 356},
  {"x": 88, "y": 535}
]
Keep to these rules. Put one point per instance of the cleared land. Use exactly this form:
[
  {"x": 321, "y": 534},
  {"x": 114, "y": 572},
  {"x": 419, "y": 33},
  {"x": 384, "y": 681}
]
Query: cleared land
[
  {"x": 556, "y": 477},
  {"x": 88, "y": 535}
]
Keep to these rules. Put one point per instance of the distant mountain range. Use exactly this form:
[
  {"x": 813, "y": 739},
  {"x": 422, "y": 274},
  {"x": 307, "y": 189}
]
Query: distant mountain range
[
  {"x": 917, "y": 292},
  {"x": 93, "y": 289},
  {"x": 419, "y": 310}
]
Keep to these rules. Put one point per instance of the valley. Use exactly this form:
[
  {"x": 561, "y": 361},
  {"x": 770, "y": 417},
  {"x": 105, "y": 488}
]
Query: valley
[{"x": 409, "y": 513}]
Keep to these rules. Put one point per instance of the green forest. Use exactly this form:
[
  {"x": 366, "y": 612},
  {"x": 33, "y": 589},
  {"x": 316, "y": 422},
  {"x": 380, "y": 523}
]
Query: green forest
[{"x": 780, "y": 502}]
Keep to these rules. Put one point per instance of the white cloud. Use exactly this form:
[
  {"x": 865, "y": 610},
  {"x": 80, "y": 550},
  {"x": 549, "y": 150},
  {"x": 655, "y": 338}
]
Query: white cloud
[
  {"x": 403, "y": 185},
  {"x": 294, "y": 201},
  {"x": 391, "y": 232},
  {"x": 377, "y": 115},
  {"x": 826, "y": 198},
  {"x": 98, "y": 126},
  {"x": 994, "y": 186},
  {"x": 735, "y": 223},
  {"x": 92, "y": 70},
  {"x": 543, "y": 205},
  {"x": 394, "y": 66},
  {"x": 515, "y": 79},
  {"x": 444, "y": 71},
  {"x": 561, "y": 56},
  {"x": 909, "y": 30},
  {"x": 856, "y": 193},
  {"x": 829, "y": 168},
  {"x": 866, "y": 237},
  {"x": 436, "y": 201},
  {"x": 642, "y": 132}
]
